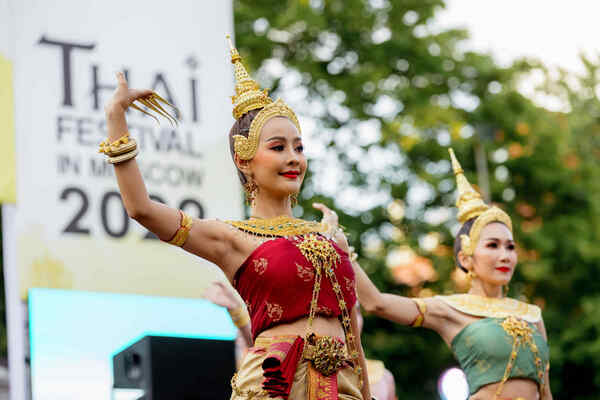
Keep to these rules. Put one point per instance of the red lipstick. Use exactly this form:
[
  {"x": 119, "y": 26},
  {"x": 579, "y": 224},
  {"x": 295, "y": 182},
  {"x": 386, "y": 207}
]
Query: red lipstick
[
  {"x": 290, "y": 174},
  {"x": 503, "y": 269}
]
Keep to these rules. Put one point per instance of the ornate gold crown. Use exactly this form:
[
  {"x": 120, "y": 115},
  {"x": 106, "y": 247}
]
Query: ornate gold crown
[
  {"x": 248, "y": 96},
  {"x": 470, "y": 205}
]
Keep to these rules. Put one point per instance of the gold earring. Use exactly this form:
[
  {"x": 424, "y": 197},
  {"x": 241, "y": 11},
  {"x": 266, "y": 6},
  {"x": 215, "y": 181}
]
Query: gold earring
[
  {"x": 251, "y": 189},
  {"x": 294, "y": 199},
  {"x": 470, "y": 276}
]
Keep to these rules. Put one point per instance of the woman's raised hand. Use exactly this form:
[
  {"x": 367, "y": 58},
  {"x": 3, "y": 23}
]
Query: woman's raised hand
[
  {"x": 331, "y": 219},
  {"x": 124, "y": 96}
]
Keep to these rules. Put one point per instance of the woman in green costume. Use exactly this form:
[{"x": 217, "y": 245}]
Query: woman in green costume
[{"x": 499, "y": 342}]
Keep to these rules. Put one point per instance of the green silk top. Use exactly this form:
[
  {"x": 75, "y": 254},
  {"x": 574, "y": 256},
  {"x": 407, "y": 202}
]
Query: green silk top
[{"x": 484, "y": 348}]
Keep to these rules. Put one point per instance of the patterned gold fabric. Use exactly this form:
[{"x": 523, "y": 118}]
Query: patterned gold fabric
[{"x": 247, "y": 383}]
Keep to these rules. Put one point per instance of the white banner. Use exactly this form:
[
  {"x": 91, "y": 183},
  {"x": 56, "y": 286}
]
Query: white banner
[{"x": 72, "y": 231}]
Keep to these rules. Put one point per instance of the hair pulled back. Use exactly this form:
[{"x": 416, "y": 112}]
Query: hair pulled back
[
  {"x": 465, "y": 229},
  {"x": 241, "y": 127}
]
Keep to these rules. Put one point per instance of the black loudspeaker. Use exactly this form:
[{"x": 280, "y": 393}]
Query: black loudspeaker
[{"x": 167, "y": 368}]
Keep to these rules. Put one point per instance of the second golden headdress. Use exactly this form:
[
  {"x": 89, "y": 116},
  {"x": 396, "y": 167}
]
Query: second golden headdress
[
  {"x": 248, "y": 96},
  {"x": 470, "y": 205}
]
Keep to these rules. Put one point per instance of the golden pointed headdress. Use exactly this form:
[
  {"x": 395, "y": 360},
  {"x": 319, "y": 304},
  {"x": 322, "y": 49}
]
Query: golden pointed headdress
[
  {"x": 248, "y": 97},
  {"x": 470, "y": 205}
]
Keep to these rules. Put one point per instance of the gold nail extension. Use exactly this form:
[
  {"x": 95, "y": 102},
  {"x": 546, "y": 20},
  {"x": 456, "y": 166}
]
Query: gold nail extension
[
  {"x": 154, "y": 100},
  {"x": 144, "y": 111},
  {"x": 158, "y": 98},
  {"x": 146, "y": 101}
]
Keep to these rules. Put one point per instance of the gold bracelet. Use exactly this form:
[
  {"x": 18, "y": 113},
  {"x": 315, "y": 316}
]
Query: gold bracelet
[
  {"x": 112, "y": 149},
  {"x": 123, "y": 157},
  {"x": 239, "y": 316},
  {"x": 183, "y": 232},
  {"x": 131, "y": 145},
  {"x": 422, "y": 309}
]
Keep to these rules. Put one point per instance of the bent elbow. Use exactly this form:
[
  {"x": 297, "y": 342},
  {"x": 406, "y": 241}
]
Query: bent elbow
[
  {"x": 373, "y": 307},
  {"x": 139, "y": 214}
]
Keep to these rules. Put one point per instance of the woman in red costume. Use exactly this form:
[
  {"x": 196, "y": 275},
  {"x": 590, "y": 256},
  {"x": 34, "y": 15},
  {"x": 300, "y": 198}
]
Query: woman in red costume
[{"x": 297, "y": 283}]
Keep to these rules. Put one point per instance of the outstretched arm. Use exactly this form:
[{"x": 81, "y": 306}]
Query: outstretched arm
[
  {"x": 399, "y": 309},
  {"x": 207, "y": 239},
  {"x": 393, "y": 307}
]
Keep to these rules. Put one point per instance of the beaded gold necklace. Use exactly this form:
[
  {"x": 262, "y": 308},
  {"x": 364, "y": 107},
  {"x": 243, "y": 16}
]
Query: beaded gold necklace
[{"x": 283, "y": 226}]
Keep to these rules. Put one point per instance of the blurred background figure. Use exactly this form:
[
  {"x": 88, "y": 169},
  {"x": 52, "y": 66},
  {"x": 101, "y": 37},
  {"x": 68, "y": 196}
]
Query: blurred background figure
[
  {"x": 222, "y": 294},
  {"x": 383, "y": 386}
]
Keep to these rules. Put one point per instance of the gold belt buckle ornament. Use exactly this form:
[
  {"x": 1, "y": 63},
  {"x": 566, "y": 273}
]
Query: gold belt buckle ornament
[{"x": 326, "y": 354}]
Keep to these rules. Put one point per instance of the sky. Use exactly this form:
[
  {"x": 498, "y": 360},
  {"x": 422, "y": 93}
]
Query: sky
[{"x": 555, "y": 31}]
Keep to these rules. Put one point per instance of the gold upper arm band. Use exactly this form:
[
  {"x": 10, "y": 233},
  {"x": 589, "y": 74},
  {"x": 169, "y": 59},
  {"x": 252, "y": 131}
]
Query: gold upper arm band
[
  {"x": 422, "y": 309},
  {"x": 183, "y": 232}
]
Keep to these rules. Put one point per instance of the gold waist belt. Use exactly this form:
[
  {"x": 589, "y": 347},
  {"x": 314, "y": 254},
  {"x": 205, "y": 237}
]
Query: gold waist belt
[{"x": 327, "y": 354}]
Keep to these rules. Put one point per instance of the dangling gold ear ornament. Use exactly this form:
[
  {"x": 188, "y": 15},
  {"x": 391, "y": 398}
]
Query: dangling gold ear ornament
[
  {"x": 250, "y": 188},
  {"x": 470, "y": 276},
  {"x": 152, "y": 102}
]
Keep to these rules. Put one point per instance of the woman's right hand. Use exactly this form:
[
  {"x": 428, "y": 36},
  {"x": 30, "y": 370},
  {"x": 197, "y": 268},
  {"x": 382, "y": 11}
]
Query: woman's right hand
[{"x": 124, "y": 96}]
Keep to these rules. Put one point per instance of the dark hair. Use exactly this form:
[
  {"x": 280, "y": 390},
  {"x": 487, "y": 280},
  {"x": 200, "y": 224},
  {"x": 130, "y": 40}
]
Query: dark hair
[
  {"x": 465, "y": 229},
  {"x": 241, "y": 127}
]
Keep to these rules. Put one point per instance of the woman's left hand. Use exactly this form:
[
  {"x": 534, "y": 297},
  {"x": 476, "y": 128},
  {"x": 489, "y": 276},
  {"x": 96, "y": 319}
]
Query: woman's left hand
[
  {"x": 222, "y": 295},
  {"x": 330, "y": 218}
]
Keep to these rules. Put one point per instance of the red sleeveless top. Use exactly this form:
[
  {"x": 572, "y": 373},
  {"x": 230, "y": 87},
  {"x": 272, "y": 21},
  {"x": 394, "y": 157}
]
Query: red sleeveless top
[{"x": 276, "y": 282}]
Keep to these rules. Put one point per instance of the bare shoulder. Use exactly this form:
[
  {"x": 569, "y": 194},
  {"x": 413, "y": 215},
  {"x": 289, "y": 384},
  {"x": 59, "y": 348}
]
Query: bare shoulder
[
  {"x": 219, "y": 243},
  {"x": 436, "y": 308},
  {"x": 443, "y": 318}
]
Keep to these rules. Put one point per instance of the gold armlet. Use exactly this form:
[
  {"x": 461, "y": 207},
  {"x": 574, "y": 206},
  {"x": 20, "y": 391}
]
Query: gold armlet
[
  {"x": 240, "y": 317},
  {"x": 422, "y": 309},
  {"x": 183, "y": 232}
]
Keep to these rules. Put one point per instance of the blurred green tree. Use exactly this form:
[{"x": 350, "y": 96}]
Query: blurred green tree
[{"x": 385, "y": 90}]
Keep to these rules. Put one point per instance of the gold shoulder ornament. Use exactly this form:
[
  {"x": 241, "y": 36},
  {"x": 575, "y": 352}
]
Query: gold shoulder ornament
[
  {"x": 248, "y": 97},
  {"x": 283, "y": 226},
  {"x": 481, "y": 306}
]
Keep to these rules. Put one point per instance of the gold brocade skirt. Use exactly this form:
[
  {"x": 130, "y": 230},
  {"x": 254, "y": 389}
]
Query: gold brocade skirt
[{"x": 308, "y": 384}]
